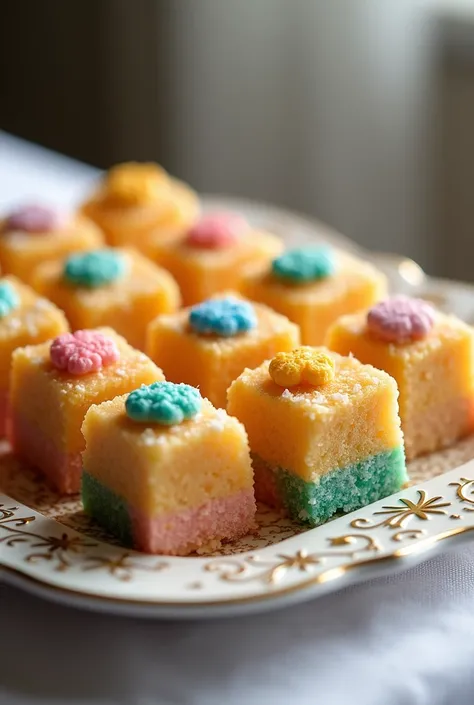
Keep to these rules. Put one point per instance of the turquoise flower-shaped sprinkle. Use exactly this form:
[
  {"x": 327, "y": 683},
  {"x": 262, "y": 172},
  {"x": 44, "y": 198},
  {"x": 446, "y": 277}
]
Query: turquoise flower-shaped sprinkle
[
  {"x": 304, "y": 264},
  {"x": 163, "y": 403},
  {"x": 224, "y": 317},
  {"x": 9, "y": 299},
  {"x": 94, "y": 269}
]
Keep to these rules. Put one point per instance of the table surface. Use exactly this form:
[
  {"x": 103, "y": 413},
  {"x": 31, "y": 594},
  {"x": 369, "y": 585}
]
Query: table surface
[{"x": 399, "y": 640}]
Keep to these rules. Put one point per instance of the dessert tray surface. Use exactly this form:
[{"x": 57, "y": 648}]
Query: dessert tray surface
[{"x": 51, "y": 548}]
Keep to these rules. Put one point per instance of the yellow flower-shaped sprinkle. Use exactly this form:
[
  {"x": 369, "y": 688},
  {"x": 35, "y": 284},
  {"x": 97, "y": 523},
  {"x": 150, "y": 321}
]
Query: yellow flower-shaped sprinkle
[
  {"x": 302, "y": 366},
  {"x": 134, "y": 183}
]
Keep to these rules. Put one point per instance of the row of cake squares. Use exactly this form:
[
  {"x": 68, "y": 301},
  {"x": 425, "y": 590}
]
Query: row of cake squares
[
  {"x": 323, "y": 429},
  {"x": 85, "y": 264}
]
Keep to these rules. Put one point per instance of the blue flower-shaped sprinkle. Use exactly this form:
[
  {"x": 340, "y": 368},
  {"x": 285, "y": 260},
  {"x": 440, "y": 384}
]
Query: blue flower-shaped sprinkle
[
  {"x": 94, "y": 269},
  {"x": 163, "y": 403},
  {"x": 223, "y": 317},
  {"x": 9, "y": 299},
  {"x": 305, "y": 264}
]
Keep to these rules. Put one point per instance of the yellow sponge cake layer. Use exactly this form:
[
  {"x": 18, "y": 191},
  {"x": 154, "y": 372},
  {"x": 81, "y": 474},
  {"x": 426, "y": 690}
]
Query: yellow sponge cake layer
[{"x": 166, "y": 469}]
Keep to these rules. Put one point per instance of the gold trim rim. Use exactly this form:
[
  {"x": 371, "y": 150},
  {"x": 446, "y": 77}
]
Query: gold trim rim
[{"x": 329, "y": 575}]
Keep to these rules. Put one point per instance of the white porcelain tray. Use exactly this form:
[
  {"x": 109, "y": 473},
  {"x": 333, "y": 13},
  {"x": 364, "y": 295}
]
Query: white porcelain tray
[{"x": 48, "y": 546}]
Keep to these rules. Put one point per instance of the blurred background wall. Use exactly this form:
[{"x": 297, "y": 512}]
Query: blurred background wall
[{"x": 357, "y": 112}]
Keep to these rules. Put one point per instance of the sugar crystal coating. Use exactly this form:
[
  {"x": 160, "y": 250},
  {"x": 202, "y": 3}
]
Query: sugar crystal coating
[
  {"x": 163, "y": 403},
  {"x": 34, "y": 219},
  {"x": 216, "y": 231},
  {"x": 224, "y": 317},
  {"x": 400, "y": 319},
  {"x": 304, "y": 264},
  {"x": 94, "y": 269},
  {"x": 9, "y": 299},
  {"x": 302, "y": 366},
  {"x": 83, "y": 352}
]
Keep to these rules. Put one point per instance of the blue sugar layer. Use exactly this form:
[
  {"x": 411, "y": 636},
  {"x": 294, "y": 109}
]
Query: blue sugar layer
[
  {"x": 107, "y": 508},
  {"x": 342, "y": 490}
]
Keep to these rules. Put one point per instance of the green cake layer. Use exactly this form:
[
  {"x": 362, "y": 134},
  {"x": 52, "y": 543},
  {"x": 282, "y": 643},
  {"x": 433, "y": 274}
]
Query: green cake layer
[
  {"x": 107, "y": 508},
  {"x": 342, "y": 490}
]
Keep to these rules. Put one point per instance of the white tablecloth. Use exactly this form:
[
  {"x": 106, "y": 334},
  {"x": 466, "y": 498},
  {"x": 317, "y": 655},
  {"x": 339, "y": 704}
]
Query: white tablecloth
[{"x": 402, "y": 640}]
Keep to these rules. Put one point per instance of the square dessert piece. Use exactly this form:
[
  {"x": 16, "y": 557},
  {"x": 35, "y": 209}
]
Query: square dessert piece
[
  {"x": 213, "y": 255},
  {"x": 25, "y": 318},
  {"x": 429, "y": 354},
  {"x": 324, "y": 432},
  {"x": 52, "y": 387},
  {"x": 35, "y": 234},
  {"x": 137, "y": 202},
  {"x": 313, "y": 286},
  {"x": 210, "y": 344},
  {"x": 119, "y": 288},
  {"x": 166, "y": 472}
]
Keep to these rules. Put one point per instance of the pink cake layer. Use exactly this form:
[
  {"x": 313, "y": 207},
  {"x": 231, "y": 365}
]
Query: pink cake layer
[
  {"x": 182, "y": 532},
  {"x": 62, "y": 470},
  {"x": 4, "y": 413}
]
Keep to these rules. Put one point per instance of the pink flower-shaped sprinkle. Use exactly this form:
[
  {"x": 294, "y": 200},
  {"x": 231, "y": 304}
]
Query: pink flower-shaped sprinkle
[
  {"x": 217, "y": 230},
  {"x": 34, "y": 219},
  {"x": 400, "y": 319},
  {"x": 83, "y": 351}
]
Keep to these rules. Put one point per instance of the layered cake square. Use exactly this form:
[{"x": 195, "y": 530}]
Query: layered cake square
[
  {"x": 210, "y": 344},
  {"x": 52, "y": 387},
  {"x": 25, "y": 319},
  {"x": 324, "y": 432},
  {"x": 313, "y": 286},
  {"x": 213, "y": 255},
  {"x": 119, "y": 288},
  {"x": 431, "y": 357},
  {"x": 166, "y": 472},
  {"x": 137, "y": 202},
  {"x": 34, "y": 234}
]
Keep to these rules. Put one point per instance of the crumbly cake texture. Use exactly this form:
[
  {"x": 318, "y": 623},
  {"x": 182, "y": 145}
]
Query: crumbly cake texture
[
  {"x": 319, "y": 450},
  {"x": 202, "y": 270},
  {"x": 434, "y": 376},
  {"x": 127, "y": 303},
  {"x": 25, "y": 318},
  {"x": 340, "y": 284},
  {"x": 21, "y": 252},
  {"x": 165, "y": 488},
  {"x": 212, "y": 361},
  {"x": 137, "y": 203},
  {"x": 49, "y": 404}
]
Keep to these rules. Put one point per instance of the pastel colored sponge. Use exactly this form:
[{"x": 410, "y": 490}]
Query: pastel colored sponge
[
  {"x": 119, "y": 288},
  {"x": 53, "y": 385},
  {"x": 209, "y": 345},
  {"x": 323, "y": 448},
  {"x": 36, "y": 234},
  {"x": 213, "y": 255},
  {"x": 25, "y": 319},
  {"x": 168, "y": 488},
  {"x": 431, "y": 358},
  {"x": 313, "y": 286}
]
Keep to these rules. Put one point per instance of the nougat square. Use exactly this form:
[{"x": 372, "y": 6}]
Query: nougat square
[
  {"x": 52, "y": 387},
  {"x": 119, "y": 288},
  {"x": 167, "y": 485},
  {"x": 313, "y": 286},
  {"x": 434, "y": 372},
  {"x": 32, "y": 235},
  {"x": 213, "y": 255},
  {"x": 320, "y": 444},
  {"x": 210, "y": 344},
  {"x": 137, "y": 202}
]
